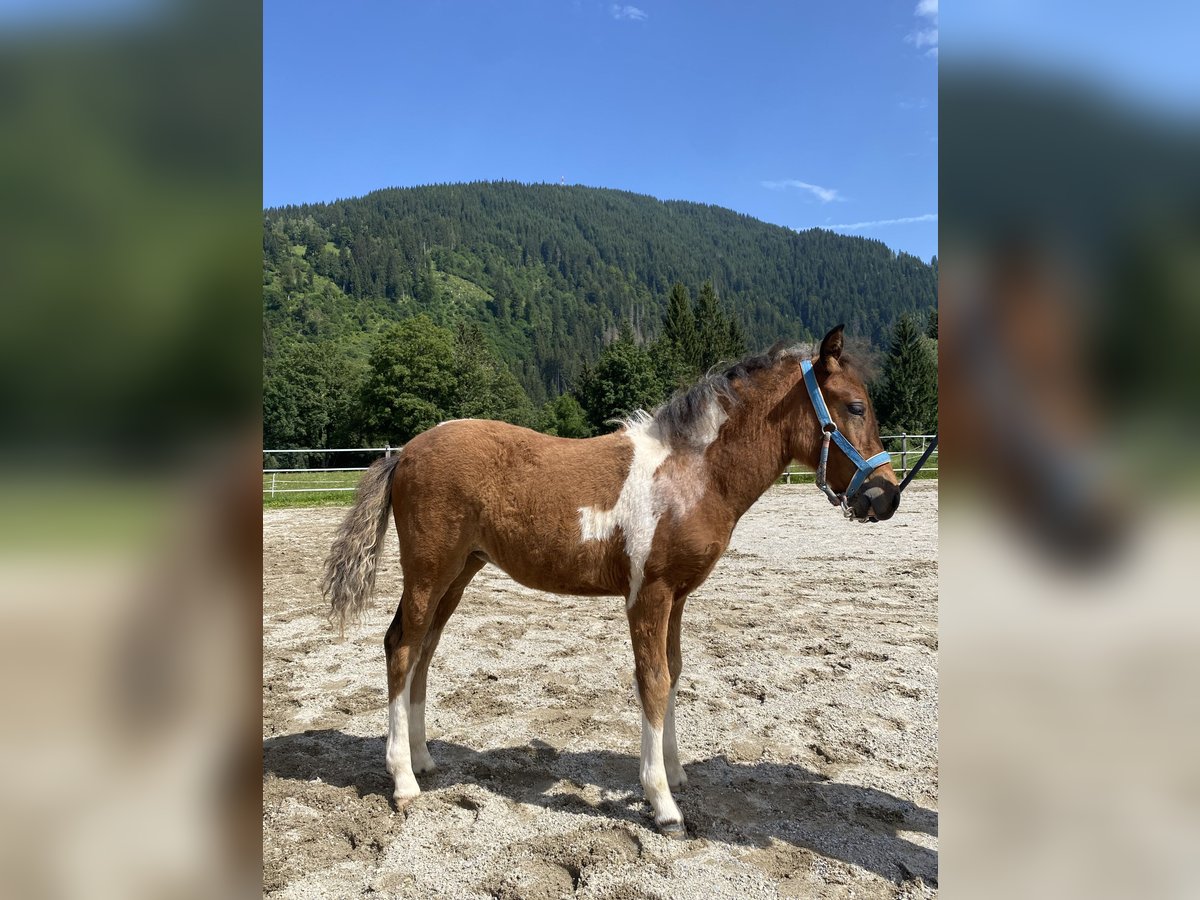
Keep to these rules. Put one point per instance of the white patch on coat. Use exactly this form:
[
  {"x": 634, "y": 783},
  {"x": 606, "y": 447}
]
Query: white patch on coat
[
  {"x": 654, "y": 776},
  {"x": 399, "y": 758},
  {"x": 637, "y": 509},
  {"x": 647, "y": 494}
]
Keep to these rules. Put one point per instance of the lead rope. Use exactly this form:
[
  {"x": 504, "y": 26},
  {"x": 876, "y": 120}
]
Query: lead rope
[{"x": 911, "y": 472}]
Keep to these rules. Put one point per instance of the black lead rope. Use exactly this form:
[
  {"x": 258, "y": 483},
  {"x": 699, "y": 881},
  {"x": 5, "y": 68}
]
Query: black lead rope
[{"x": 920, "y": 462}]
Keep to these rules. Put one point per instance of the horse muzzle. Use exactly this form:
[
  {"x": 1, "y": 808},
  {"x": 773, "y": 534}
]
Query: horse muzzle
[{"x": 876, "y": 502}]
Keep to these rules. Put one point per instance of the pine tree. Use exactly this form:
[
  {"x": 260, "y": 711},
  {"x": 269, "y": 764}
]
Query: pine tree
[
  {"x": 907, "y": 399},
  {"x": 674, "y": 353},
  {"x": 623, "y": 381},
  {"x": 736, "y": 347},
  {"x": 679, "y": 328},
  {"x": 712, "y": 329},
  {"x": 932, "y": 330}
]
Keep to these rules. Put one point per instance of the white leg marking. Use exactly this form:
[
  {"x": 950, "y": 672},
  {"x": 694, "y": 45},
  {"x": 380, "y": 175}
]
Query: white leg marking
[
  {"x": 422, "y": 762},
  {"x": 399, "y": 760},
  {"x": 654, "y": 776},
  {"x": 676, "y": 777}
]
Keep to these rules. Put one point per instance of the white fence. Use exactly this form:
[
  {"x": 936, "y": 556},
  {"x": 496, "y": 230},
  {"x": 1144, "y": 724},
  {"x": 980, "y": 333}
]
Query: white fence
[
  {"x": 906, "y": 449},
  {"x": 278, "y": 480}
]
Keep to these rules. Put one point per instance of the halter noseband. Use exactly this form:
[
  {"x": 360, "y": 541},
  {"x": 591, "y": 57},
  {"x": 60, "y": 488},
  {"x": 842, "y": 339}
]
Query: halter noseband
[{"x": 830, "y": 430}]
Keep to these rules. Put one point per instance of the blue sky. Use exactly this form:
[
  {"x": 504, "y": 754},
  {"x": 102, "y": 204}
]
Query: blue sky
[{"x": 798, "y": 113}]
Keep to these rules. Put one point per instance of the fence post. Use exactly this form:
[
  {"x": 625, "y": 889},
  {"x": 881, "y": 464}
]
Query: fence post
[
  {"x": 387, "y": 450},
  {"x": 272, "y": 484},
  {"x": 903, "y": 453}
]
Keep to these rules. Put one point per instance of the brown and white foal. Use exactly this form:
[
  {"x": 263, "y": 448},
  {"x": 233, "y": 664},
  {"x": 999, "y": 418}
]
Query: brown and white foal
[{"x": 643, "y": 513}]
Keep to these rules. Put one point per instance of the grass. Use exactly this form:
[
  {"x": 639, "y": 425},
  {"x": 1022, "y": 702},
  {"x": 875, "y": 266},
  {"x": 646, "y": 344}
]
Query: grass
[
  {"x": 312, "y": 483},
  {"x": 795, "y": 474}
]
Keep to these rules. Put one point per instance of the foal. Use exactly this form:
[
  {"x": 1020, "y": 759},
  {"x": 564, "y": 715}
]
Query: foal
[{"x": 643, "y": 513}]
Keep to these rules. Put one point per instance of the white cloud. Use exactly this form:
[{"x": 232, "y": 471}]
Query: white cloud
[
  {"x": 824, "y": 194},
  {"x": 632, "y": 13},
  {"x": 926, "y": 33},
  {"x": 906, "y": 220}
]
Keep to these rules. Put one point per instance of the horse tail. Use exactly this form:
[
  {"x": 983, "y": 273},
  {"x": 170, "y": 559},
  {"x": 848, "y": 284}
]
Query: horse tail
[{"x": 354, "y": 557}]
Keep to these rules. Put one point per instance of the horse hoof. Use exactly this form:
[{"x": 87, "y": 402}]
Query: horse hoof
[
  {"x": 674, "y": 830},
  {"x": 403, "y": 802}
]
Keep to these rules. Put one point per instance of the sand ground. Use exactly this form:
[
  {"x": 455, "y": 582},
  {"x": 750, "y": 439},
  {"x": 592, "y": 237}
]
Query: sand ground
[{"x": 807, "y": 720}]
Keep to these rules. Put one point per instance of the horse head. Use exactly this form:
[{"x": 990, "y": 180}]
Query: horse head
[{"x": 857, "y": 472}]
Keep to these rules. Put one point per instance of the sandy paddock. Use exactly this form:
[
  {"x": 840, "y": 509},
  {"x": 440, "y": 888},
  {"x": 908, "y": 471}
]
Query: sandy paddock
[{"x": 807, "y": 722}]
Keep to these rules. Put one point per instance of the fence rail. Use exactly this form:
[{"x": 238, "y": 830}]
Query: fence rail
[
  {"x": 285, "y": 485},
  {"x": 905, "y": 449}
]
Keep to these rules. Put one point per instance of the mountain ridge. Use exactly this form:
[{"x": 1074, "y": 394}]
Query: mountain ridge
[{"x": 550, "y": 271}]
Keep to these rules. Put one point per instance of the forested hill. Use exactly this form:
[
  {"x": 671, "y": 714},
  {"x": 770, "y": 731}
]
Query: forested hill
[{"x": 551, "y": 272}]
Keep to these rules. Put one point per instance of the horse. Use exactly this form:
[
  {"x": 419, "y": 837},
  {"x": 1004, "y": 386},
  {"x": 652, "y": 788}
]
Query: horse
[{"x": 643, "y": 513}]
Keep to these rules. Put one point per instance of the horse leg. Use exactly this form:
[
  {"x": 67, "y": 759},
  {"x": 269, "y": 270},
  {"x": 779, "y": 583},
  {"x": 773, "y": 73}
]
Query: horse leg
[
  {"x": 648, "y": 625},
  {"x": 422, "y": 762},
  {"x": 676, "y": 777},
  {"x": 402, "y": 647}
]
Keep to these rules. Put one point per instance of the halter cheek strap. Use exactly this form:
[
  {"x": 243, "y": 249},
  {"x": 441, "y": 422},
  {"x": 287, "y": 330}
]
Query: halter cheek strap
[{"x": 865, "y": 466}]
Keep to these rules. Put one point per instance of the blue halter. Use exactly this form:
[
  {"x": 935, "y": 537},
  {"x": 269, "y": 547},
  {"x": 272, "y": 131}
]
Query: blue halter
[{"x": 865, "y": 466}]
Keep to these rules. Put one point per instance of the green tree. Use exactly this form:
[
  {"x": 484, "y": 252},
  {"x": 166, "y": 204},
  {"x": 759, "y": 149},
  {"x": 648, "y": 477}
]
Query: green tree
[
  {"x": 485, "y": 388},
  {"x": 623, "y": 381},
  {"x": 907, "y": 397},
  {"x": 932, "y": 330},
  {"x": 427, "y": 289},
  {"x": 564, "y": 417},
  {"x": 712, "y": 328},
  {"x": 736, "y": 346},
  {"x": 680, "y": 340},
  {"x": 514, "y": 259},
  {"x": 670, "y": 368},
  {"x": 308, "y": 393},
  {"x": 411, "y": 383}
]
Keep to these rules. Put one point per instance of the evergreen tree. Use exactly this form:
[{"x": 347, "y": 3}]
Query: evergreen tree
[
  {"x": 623, "y": 381},
  {"x": 737, "y": 339},
  {"x": 679, "y": 335},
  {"x": 670, "y": 368},
  {"x": 907, "y": 399},
  {"x": 514, "y": 259},
  {"x": 932, "y": 330},
  {"x": 712, "y": 329},
  {"x": 484, "y": 387}
]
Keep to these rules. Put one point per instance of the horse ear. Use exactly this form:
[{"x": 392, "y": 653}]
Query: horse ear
[{"x": 831, "y": 346}]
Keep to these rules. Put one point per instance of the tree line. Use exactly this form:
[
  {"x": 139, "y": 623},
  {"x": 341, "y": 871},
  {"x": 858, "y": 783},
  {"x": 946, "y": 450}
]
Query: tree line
[
  {"x": 552, "y": 273},
  {"x": 417, "y": 373}
]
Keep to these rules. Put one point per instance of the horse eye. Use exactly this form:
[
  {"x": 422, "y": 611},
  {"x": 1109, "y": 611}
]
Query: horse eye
[{"x": 856, "y": 409}]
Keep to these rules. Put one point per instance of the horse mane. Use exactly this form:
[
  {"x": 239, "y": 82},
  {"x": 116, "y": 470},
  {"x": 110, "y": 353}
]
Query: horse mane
[
  {"x": 688, "y": 414},
  {"x": 690, "y": 411}
]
